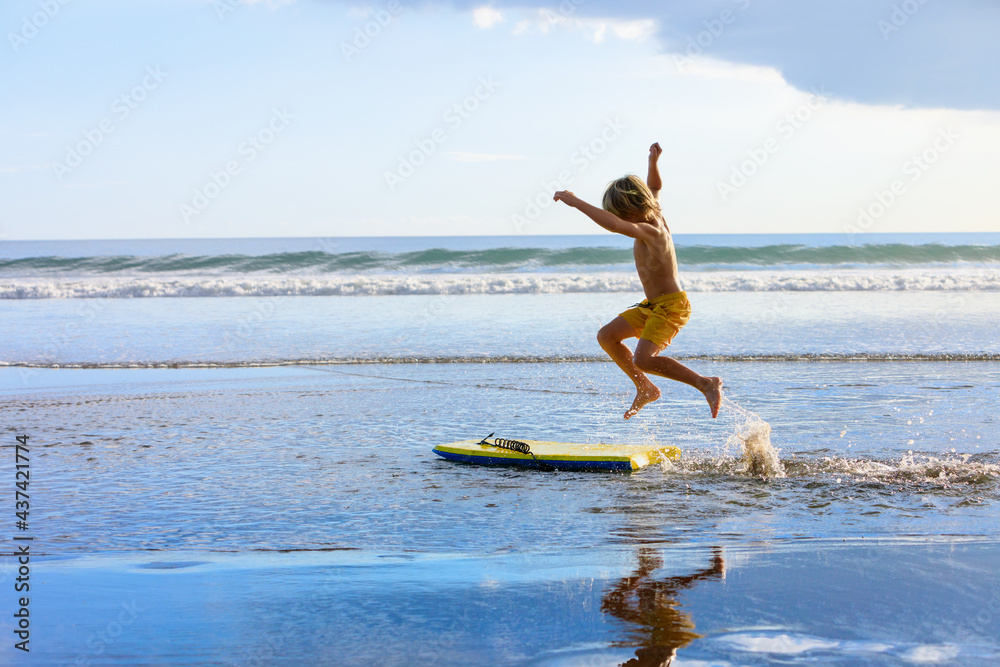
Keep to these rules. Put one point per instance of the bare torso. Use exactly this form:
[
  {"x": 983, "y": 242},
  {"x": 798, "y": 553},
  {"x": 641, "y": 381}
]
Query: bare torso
[{"x": 656, "y": 261}]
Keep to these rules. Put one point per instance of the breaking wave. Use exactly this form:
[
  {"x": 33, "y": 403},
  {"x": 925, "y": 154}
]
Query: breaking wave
[
  {"x": 511, "y": 259},
  {"x": 495, "y": 283}
]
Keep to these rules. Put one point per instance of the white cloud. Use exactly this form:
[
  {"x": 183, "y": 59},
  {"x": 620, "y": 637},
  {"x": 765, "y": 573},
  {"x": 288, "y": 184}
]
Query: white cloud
[
  {"x": 720, "y": 69},
  {"x": 459, "y": 156},
  {"x": 597, "y": 29},
  {"x": 633, "y": 30},
  {"x": 486, "y": 17}
]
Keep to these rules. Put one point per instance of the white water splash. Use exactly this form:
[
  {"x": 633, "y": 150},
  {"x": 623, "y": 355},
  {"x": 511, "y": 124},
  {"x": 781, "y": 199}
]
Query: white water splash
[
  {"x": 946, "y": 471},
  {"x": 752, "y": 434}
]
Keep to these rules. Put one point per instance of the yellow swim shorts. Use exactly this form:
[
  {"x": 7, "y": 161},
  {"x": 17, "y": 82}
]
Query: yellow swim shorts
[{"x": 660, "y": 319}]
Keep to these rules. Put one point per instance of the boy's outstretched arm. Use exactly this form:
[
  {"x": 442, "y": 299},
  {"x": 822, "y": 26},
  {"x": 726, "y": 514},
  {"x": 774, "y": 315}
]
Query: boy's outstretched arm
[
  {"x": 609, "y": 221},
  {"x": 653, "y": 175}
]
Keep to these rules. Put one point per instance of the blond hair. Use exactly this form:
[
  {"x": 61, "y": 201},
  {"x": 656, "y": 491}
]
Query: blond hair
[{"x": 630, "y": 198}]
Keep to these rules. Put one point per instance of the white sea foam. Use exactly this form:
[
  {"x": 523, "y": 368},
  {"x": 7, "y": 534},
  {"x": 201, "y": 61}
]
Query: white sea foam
[
  {"x": 795, "y": 645},
  {"x": 962, "y": 475},
  {"x": 168, "y": 285},
  {"x": 945, "y": 471}
]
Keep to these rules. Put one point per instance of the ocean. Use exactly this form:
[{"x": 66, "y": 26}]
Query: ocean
[{"x": 230, "y": 453}]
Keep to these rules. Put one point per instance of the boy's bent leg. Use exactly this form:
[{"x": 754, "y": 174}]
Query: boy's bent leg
[
  {"x": 610, "y": 338},
  {"x": 647, "y": 359}
]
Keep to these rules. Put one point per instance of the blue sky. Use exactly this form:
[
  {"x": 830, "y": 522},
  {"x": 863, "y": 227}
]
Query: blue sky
[{"x": 216, "y": 118}]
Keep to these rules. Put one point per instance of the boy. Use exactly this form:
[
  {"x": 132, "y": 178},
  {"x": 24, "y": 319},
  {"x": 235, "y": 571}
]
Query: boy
[{"x": 632, "y": 208}]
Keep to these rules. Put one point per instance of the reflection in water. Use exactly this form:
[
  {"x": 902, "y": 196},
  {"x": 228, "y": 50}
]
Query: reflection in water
[{"x": 652, "y": 605}]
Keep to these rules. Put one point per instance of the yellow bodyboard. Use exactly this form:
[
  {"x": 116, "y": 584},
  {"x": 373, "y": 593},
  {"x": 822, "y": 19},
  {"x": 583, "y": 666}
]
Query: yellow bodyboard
[{"x": 560, "y": 455}]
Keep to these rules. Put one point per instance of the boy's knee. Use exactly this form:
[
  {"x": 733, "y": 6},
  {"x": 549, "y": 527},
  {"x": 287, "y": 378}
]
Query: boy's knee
[
  {"x": 642, "y": 361},
  {"x": 605, "y": 337}
]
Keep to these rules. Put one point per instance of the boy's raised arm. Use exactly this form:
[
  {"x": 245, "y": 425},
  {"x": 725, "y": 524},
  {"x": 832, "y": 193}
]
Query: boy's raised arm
[
  {"x": 653, "y": 175},
  {"x": 609, "y": 221}
]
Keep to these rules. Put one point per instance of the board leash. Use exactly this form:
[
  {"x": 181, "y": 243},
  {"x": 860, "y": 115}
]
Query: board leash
[{"x": 517, "y": 446}]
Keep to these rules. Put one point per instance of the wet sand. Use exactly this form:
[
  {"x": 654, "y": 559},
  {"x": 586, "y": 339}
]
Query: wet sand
[{"x": 880, "y": 601}]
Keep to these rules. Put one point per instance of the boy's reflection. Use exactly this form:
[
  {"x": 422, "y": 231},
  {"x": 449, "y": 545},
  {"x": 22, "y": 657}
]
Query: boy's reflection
[{"x": 652, "y": 604}]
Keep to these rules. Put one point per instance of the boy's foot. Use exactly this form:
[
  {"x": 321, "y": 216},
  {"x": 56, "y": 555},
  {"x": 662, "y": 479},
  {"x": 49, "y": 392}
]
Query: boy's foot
[
  {"x": 643, "y": 397},
  {"x": 713, "y": 394}
]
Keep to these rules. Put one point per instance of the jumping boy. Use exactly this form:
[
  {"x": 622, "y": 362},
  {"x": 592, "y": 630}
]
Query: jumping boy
[{"x": 632, "y": 208}]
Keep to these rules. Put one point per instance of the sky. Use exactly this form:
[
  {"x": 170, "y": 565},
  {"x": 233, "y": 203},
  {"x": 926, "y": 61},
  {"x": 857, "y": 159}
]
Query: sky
[{"x": 274, "y": 118}]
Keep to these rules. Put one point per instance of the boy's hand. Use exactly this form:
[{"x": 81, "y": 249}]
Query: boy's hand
[
  {"x": 567, "y": 197},
  {"x": 654, "y": 152}
]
